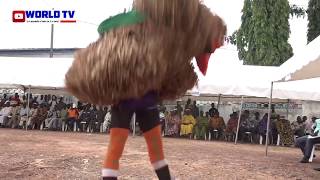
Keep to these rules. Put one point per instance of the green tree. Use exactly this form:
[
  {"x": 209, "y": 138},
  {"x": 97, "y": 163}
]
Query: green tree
[
  {"x": 263, "y": 36},
  {"x": 314, "y": 19}
]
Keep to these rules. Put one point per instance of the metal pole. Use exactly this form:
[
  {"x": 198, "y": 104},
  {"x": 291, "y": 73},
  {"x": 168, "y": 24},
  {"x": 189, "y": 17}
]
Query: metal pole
[
  {"x": 288, "y": 109},
  {"x": 269, "y": 117},
  {"x": 51, "y": 43},
  {"x": 134, "y": 124},
  {"x": 28, "y": 105},
  {"x": 239, "y": 118},
  {"x": 219, "y": 99}
]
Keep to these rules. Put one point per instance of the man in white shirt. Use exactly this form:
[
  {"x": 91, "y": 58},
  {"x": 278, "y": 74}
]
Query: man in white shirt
[
  {"x": 23, "y": 115},
  {"x": 5, "y": 113},
  {"x": 107, "y": 121}
]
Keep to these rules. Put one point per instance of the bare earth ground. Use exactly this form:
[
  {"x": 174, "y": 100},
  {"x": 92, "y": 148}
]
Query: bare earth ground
[{"x": 58, "y": 155}]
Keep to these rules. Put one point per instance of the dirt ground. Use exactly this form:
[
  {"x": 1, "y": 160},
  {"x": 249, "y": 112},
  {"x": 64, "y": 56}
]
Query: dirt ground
[{"x": 58, "y": 155}]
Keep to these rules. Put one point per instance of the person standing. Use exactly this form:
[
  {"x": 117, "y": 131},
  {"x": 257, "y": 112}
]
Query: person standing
[
  {"x": 195, "y": 110},
  {"x": 212, "y": 110}
]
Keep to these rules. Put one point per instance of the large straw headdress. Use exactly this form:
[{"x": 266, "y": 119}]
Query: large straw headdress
[{"x": 149, "y": 48}]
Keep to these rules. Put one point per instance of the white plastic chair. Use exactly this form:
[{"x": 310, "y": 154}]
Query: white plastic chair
[
  {"x": 312, "y": 152},
  {"x": 278, "y": 140}
]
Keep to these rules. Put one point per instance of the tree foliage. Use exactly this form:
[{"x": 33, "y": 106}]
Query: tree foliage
[
  {"x": 314, "y": 19},
  {"x": 297, "y": 11},
  {"x": 263, "y": 36}
]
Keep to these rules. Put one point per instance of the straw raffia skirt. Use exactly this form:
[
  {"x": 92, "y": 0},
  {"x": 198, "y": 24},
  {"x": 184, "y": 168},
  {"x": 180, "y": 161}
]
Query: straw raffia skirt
[{"x": 129, "y": 61}]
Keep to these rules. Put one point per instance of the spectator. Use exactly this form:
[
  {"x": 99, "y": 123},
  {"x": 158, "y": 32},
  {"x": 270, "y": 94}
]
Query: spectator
[
  {"x": 92, "y": 118},
  {"x": 216, "y": 123},
  {"x": 173, "y": 123},
  {"x": 262, "y": 127},
  {"x": 3, "y": 100},
  {"x": 107, "y": 121},
  {"x": 201, "y": 127},
  {"x": 54, "y": 122},
  {"x": 188, "y": 123},
  {"x": 195, "y": 109},
  {"x": 188, "y": 104},
  {"x": 162, "y": 108},
  {"x": 32, "y": 115},
  {"x": 101, "y": 113},
  {"x": 41, "y": 100},
  {"x": 298, "y": 127},
  {"x": 64, "y": 116},
  {"x": 179, "y": 109},
  {"x": 46, "y": 100},
  {"x": 309, "y": 125},
  {"x": 73, "y": 115},
  {"x": 306, "y": 143},
  {"x": 232, "y": 124},
  {"x": 23, "y": 115},
  {"x": 53, "y": 103},
  {"x": 34, "y": 100},
  {"x": 23, "y": 100},
  {"x": 40, "y": 116},
  {"x": 16, "y": 99},
  {"x": 212, "y": 110},
  {"x": 14, "y": 120},
  {"x": 5, "y": 113},
  {"x": 162, "y": 121},
  {"x": 84, "y": 117},
  {"x": 284, "y": 130},
  {"x": 304, "y": 119},
  {"x": 60, "y": 104},
  {"x": 248, "y": 124}
]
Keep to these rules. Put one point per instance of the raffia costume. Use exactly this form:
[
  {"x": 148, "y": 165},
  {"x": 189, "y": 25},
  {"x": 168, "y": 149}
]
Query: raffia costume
[{"x": 141, "y": 57}]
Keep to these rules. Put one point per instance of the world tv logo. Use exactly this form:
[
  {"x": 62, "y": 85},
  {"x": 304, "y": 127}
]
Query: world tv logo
[{"x": 43, "y": 16}]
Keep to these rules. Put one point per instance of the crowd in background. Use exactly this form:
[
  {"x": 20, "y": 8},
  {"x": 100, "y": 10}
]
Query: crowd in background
[
  {"x": 48, "y": 112},
  {"x": 193, "y": 123}
]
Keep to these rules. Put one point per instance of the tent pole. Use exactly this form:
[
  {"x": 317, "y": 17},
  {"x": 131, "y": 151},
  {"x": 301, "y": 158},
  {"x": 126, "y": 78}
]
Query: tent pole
[
  {"x": 269, "y": 117},
  {"x": 288, "y": 109},
  {"x": 28, "y": 107},
  {"x": 219, "y": 101},
  {"x": 134, "y": 125},
  {"x": 51, "y": 42},
  {"x": 238, "y": 126}
]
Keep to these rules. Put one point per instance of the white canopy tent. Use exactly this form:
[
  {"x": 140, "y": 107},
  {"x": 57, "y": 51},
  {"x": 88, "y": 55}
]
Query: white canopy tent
[
  {"x": 41, "y": 75},
  {"x": 301, "y": 72},
  {"x": 305, "y": 64}
]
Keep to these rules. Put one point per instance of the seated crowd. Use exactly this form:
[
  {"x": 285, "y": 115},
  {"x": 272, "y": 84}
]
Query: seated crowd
[
  {"x": 192, "y": 123},
  {"x": 48, "y": 112}
]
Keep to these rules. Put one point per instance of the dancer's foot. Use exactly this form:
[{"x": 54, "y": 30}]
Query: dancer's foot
[{"x": 164, "y": 173}]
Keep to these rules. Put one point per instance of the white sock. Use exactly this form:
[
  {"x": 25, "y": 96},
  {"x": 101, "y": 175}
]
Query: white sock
[
  {"x": 109, "y": 172},
  {"x": 159, "y": 164}
]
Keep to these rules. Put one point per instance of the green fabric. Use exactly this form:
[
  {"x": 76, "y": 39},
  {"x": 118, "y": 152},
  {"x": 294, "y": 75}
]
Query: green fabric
[
  {"x": 123, "y": 19},
  {"x": 200, "y": 131},
  {"x": 202, "y": 121}
]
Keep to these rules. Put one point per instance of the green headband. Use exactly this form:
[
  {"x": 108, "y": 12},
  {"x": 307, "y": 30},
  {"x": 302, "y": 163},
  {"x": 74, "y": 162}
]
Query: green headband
[{"x": 123, "y": 19}]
